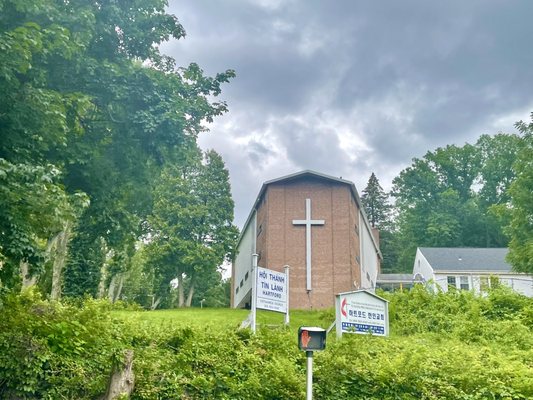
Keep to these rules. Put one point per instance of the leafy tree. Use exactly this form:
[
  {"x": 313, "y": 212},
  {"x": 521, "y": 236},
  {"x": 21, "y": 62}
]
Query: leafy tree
[
  {"x": 192, "y": 231},
  {"x": 521, "y": 190},
  {"x": 450, "y": 197},
  {"x": 87, "y": 94}
]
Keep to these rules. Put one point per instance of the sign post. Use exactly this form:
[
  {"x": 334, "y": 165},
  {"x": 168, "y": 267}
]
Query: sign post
[
  {"x": 361, "y": 312},
  {"x": 254, "y": 290},
  {"x": 286, "y": 268}
]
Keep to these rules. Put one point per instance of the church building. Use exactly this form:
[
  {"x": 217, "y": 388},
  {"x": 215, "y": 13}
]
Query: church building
[{"x": 315, "y": 224}]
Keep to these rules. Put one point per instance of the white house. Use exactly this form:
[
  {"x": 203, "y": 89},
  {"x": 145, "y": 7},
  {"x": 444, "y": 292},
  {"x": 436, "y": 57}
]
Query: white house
[{"x": 468, "y": 268}]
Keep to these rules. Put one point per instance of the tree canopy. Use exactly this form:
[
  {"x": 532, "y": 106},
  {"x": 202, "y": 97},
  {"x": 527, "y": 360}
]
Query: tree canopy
[
  {"x": 521, "y": 225},
  {"x": 454, "y": 196},
  {"x": 91, "y": 114}
]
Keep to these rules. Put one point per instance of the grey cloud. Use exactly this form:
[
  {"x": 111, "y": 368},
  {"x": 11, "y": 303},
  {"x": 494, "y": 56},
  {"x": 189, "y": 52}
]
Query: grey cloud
[{"x": 409, "y": 75}]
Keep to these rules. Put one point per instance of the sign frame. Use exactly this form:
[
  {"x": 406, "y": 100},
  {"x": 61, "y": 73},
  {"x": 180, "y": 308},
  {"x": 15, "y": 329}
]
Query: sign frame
[
  {"x": 361, "y": 312},
  {"x": 269, "y": 285},
  {"x": 255, "y": 284}
]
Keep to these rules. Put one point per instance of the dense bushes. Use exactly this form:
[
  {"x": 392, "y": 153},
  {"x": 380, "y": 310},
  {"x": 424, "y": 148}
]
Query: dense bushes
[
  {"x": 443, "y": 346},
  {"x": 53, "y": 350}
]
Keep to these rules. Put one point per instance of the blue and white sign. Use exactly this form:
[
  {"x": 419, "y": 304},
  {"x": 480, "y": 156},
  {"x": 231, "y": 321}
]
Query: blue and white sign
[
  {"x": 271, "y": 290},
  {"x": 361, "y": 312}
]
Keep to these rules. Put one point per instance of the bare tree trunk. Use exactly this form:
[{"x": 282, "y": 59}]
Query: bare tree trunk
[
  {"x": 103, "y": 278},
  {"x": 111, "y": 289},
  {"x": 104, "y": 271},
  {"x": 181, "y": 294},
  {"x": 27, "y": 280},
  {"x": 155, "y": 302},
  {"x": 121, "y": 279},
  {"x": 122, "y": 379},
  {"x": 191, "y": 293},
  {"x": 59, "y": 260}
]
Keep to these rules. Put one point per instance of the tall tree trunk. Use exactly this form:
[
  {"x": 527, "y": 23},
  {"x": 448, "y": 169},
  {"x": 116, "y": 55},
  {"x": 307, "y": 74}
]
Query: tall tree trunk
[
  {"x": 111, "y": 289},
  {"x": 60, "y": 257},
  {"x": 155, "y": 302},
  {"x": 191, "y": 293},
  {"x": 103, "y": 278},
  {"x": 121, "y": 279},
  {"x": 181, "y": 294},
  {"x": 104, "y": 271},
  {"x": 27, "y": 280}
]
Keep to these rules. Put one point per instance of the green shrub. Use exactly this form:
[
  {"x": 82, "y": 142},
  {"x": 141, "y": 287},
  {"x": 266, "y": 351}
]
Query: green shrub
[{"x": 451, "y": 345}]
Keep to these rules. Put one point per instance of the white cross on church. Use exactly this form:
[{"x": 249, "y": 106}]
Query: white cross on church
[{"x": 308, "y": 222}]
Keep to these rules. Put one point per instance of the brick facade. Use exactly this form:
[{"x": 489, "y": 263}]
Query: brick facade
[{"x": 335, "y": 245}]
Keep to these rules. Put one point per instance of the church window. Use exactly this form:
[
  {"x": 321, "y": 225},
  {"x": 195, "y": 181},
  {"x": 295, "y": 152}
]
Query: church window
[
  {"x": 260, "y": 229},
  {"x": 246, "y": 277},
  {"x": 356, "y": 230},
  {"x": 242, "y": 283},
  {"x": 358, "y": 260},
  {"x": 237, "y": 291}
]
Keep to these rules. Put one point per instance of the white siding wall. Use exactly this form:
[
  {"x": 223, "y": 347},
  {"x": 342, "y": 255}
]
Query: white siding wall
[
  {"x": 243, "y": 264},
  {"x": 422, "y": 267},
  {"x": 369, "y": 257},
  {"x": 521, "y": 283}
]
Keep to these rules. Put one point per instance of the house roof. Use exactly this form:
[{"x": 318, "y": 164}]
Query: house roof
[
  {"x": 466, "y": 259},
  {"x": 317, "y": 175}
]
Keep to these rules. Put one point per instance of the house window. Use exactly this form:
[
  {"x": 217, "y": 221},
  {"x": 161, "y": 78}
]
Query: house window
[
  {"x": 484, "y": 283},
  {"x": 459, "y": 282},
  {"x": 246, "y": 277},
  {"x": 452, "y": 282},
  {"x": 464, "y": 284}
]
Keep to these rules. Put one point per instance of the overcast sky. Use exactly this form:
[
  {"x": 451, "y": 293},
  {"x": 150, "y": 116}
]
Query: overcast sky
[{"x": 352, "y": 87}]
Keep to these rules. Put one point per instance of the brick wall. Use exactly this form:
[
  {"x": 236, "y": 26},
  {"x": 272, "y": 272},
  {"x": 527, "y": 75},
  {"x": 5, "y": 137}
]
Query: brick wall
[{"x": 335, "y": 245}]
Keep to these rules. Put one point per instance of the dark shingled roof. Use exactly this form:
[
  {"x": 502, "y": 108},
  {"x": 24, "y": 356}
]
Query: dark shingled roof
[{"x": 466, "y": 259}]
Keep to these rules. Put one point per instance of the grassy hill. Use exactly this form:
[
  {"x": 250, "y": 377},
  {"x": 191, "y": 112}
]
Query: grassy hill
[
  {"x": 225, "y": 317},
  {"x": 442, "y": 346}
]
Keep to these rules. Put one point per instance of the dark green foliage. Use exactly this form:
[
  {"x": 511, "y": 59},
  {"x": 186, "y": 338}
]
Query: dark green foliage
[
  {"x": 380, "y": 214},
  {"x": 192, "y": 231},
  {"x": 450, "y": 346},
  {"x": 89, "y": 105},
  {"x": 521, "y": 225},
  {"x": 53, "y": 350},
  {"x": 455, "y": 197},
  {"x": 375, "y": 202}
]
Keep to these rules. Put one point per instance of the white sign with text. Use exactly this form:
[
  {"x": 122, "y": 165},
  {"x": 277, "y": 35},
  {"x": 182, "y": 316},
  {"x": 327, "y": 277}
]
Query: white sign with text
[
  {"x": 271, "y": 290},
  {"x": 361, "y": 312}
]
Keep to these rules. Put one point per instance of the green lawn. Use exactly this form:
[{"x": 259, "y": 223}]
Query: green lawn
[{"x": 226, "y": 317}]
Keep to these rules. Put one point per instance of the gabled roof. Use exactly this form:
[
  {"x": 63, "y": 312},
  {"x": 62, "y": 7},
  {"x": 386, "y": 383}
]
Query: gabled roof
[
  {"x": 317, "y": 175},
  {"x": 466, "y": 259}
]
